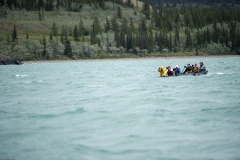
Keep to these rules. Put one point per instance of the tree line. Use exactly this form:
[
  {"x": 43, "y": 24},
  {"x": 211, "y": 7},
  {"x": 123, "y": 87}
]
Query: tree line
[{"x": 166, "y": 29}]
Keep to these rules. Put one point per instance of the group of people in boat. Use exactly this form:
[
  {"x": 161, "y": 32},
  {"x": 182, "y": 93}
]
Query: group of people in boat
[{"x": 177, "y": 71}]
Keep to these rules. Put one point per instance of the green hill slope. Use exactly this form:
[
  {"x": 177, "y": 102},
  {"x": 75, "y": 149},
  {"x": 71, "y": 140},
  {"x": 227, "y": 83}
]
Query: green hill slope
[{"x": 116, "y": 30}]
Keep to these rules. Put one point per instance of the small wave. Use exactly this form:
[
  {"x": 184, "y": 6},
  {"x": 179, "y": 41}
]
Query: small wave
[
  {"x": 220, "y": 73},
  {"x": 35, "y": 82},
  {"x": 21, "y": 75},
  {"x": 49, "y": 116},
  {"x": 96, "y": 86},
  {"x": 77, "y": 111}
]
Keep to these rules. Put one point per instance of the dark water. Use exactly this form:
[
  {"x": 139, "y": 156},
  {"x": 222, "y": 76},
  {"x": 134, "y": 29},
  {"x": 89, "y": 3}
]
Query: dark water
[{"x": 119, "y": 109}]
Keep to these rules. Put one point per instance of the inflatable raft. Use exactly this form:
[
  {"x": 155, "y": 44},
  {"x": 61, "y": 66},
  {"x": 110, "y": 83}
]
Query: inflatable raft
[{"x": 191, "y": 74}]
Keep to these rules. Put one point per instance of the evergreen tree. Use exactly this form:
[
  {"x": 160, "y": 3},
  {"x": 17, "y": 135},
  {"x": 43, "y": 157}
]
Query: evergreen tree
[
  {"x": 188, "y": 18},
  {"x": 122, "y": 39},
  {"x": 14, "y": 34},
  {"x": 58, "y": 4},
  {"x": 49, "y": 5},
  {"x": 68, "y": 48},
  {"x": 75, "y": 34},
  {"x": 39, "y": 16},
  {"x": 170, "y": 42},
  {"x": 129, "y": 40},
  {"x": 117, "y": 36},
  {"x": 8, "y": 40},
  {"x": 27, "y": 36},
  {"x": 40, "y": 4},
  {"x": 188, "y": 40},
  {"x": 50, "y": 36},
  {"x": 97, "y": 25},
  {"x": 129, "y": 3},
  {"x": 93, "y": 35},
  {"x": 54, "y": 29},
  {"x": 131, "y": 25},
  {"x": 143, "y": 25},
  {"x": 146, "y": 9},
  {"x": 119, "y": 12},
  {"x": 44, "y": 53},
  {"x": 176, "y": 36},
  {"x": 101, "y": 3},
  {"x": 107, "y": 27},
  {"x": 61, "y": 39},
  {"x": 81, "y": 28},
  {"x": 70, "y": 32},
  {"x": 113, "y": 24},
  {"x": 124, "y": 26}
]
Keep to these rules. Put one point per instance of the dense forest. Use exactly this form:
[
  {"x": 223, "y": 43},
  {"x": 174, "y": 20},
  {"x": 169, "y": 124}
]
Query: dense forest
[
  {"x": 53, "y": 29},
  {"x": 195, "y": 3}
]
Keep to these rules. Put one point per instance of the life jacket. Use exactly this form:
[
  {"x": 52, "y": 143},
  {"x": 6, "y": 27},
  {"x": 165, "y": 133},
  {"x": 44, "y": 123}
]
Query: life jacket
[
  {"x": 196, "y": 69},
  {"x": 189, "y": 69},
  {"x": 163, "y": 72},
  {"x": 170, "y": 72}
]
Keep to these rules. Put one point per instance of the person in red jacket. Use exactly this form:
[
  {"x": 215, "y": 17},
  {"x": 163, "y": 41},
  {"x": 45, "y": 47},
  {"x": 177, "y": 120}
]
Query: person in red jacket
[{"x": 170, "y": 71}]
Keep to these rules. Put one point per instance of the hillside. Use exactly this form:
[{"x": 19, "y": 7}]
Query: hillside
[
  {"x": 195, "y": 3},
  {"x": 114, "y": 29}
]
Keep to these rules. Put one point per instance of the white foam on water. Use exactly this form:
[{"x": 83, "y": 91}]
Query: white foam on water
[
  {"x": 96, "y": 86},
  {"x": 21, "y": 75}
]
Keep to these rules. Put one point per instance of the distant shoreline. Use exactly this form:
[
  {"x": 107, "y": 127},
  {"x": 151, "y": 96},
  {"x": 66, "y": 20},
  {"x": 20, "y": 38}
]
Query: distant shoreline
[{"x": 120, "y": 59}]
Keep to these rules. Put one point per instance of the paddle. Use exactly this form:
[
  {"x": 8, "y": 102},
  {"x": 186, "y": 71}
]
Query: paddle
[{"x": 184, "y": 69}]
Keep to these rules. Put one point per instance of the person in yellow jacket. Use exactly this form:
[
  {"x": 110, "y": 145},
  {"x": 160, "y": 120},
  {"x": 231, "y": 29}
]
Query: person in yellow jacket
[{"x": 163, "y": 72}]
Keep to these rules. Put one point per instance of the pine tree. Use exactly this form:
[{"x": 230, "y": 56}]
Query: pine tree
[
  {"x": 49, "y": 5},
  {"x": 113, "y": 24},
  {"x": 119, "y": 12},
  {"x": 97, "y": 25},
  {"x": 40, "y": 4},
  {"x": 61, "y": 39},
  {"x": 188, "y": 40},
  {"x": 93, "y": 35},
  {"x": 129, "y": 40},
  {"x": 131, "y": 25},
  {"x": 188, "y": 18},
  {"x": 50, "y": 36},
  {"x": 70, "y": 32},
  {"x": 117, "y": 36},
  {"x": 39, "y": 16},
  {"x": 68, "y": 48},
  {"x": 58, "y": 4},
  {"x": 107, "y": 27},
  {"x": 122, "y": 39},
  {"x": 176, "y": 36},
  {"x": 54, "y": 29},
  {"x": 124, "y": 26},
  {"x": 14, "y": 34},
  {"x": 146, "y": 9},
  {"x": 170, "y": 42},
  {"x": 44, "y": 53},
  {"x": 8, "y": 40},
  {"x": 101, "y": 3},
  {"x": 81, "y": 28},
  {"x": 129, "y": 3},
  {"x": 27, "y": 36},
  {"x": 75, "y": 34}
]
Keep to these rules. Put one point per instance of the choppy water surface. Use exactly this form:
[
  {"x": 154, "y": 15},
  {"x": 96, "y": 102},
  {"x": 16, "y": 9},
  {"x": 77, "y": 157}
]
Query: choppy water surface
[{"x": 119, "y": 109}]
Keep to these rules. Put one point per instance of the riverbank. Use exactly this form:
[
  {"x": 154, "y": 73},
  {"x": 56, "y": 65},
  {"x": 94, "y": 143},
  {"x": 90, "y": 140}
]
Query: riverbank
[{"x": 139, "y": 58}]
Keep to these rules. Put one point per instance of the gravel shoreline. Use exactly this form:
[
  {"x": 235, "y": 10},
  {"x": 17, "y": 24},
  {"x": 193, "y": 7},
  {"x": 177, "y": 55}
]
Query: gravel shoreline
[{"x": 123, "y": 59}]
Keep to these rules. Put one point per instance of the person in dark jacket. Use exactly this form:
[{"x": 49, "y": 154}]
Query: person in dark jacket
[{"x": 188, "y": 69}]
